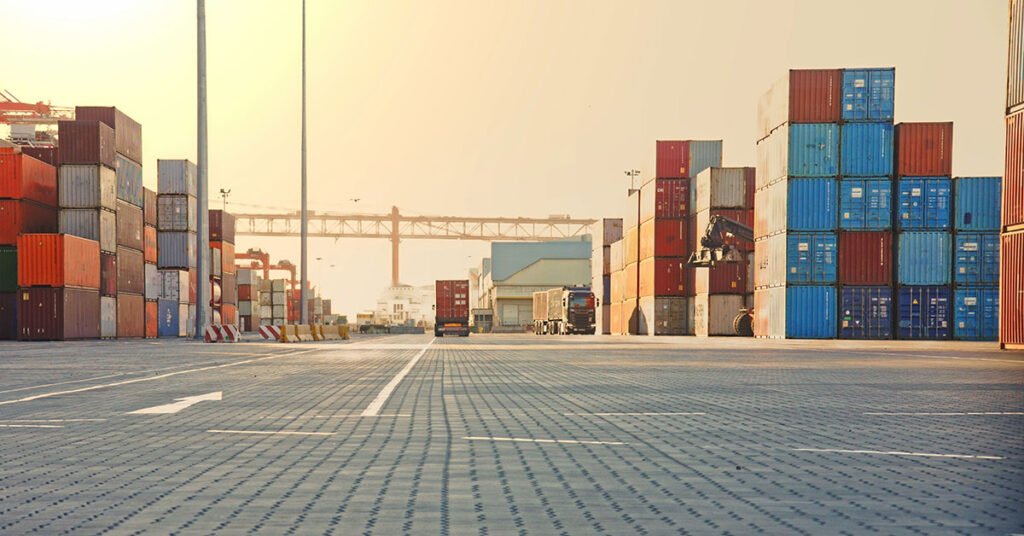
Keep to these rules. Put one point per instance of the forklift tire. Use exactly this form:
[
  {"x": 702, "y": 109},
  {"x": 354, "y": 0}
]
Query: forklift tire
[{"x": 743, "y": 325}]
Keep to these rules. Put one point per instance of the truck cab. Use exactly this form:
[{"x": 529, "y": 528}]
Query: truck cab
[{"x": 580, "y": 307}]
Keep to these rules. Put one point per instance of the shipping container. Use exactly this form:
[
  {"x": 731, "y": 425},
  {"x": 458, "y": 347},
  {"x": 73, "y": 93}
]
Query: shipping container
[
  {"x": 127, "y": 131},
  {"x": 703, "y": 154},
  {"x": 216, "y": 264},
  {"x": 631, "y": 321},
  {"x": 1011, "y": 291},
  {"x": 924, "y": 312},
  {"x": 131, "y": 316},
  {"x": 57, "y": 260},
  {"x": 631, "y": 281},
  {"x": 925, "y": 203},
  {"x": 724, "y": 278},
  {"x": 277, "y": 285},
  {"x": 924, "y": 149},
  {"x": 186, "y": 320},
  {"x": 720, "y": 187},
  {"x": 108, "y": 274},
  {"x": 176, "y": 177},
  {"x": 631, "y": 246},
  {"x": 1015, "y": 57},
  {"x": 86, "y": 142},
  {"x": 814, "y": 150},
  {"x": 976, "y": 259},
  {"x": 226, "y": 256},
  {"x": 606, "y": 231},
  {"x": 176, "y": 213},
  {"x": 616, "y": 256},
  {"x": 129, "y": 180},
  {"x": 865, "y": 258},
  {"x": 815, "y": 204},
  {"x": 1013, "y": 179},
  {"x": 152, "y": 322},
  {"x": 248, "y": 276},
  {"x": 176, "y": 250},
  {"x": 108, "y": 317},
  {"x": 8, "y": 316},
  {"x": 21, "y": 216},
  {"x": 976, "y": 313},
  {"x": 663, "y": 238},
  {"x": 24, "y": 177},
  {"x": 246, "y": 308},
  {"x": 87, "y": 187},
  {"x": 867, "y": 149},
  {"x": 154, "y": 282},
  {"x": 868, "y": 94},
  {"x": 671, "y": 159},
  {"x": 58, "y": 313},
  {"x": 245, "y": 294},
  {"x": 95, "y": 224},
  {"x": 665, "y": 315},
  {"x": 801, "y": 96},
  {"x": 129, "y": 226},
  {"x": 714, "y": 314},
  {"x": 865, "y": 204},
  {"x": 266, "y": 311},
  {"x": 615, "y": 318},
  {"x": 770, "y": 312},
  {"x": 167, "y": 318},
  {"x": 222, "y": 226},
  {"x": 149, "y": 243},
  {"x": 773, "y": 158},
  {"x": 771, "y": 209},
  {"x": 149, "y": 206},
  {"x": 865, "y": 312},
  {"x": 811, "y": 258},
  {"x": 131, "y": 272},
  {"x": 665, "y": 199},
  {"x": 770, "y": 262},
  {"x": 229, "y": 315},
  {"x": 924, "y": 258},
  {"x": 452, "y": 301},
  {"x": 230, "y": 290},
  {"x": 216, "y": 294},
  {"x": 50, "y": 155},
  {"x": 8, "y": 269},
  {"x": 616, "y": 282},
  {"x": 811, "y": 312},
  {"x": 660, "y": 277},
  {"x": 977, "y": 201}
]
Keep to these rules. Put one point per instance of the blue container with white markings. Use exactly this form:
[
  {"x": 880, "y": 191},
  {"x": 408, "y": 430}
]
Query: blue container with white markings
[
  {"x": 865, "y": 313},
  {"x": 977, "y": 203},
  {"x": 868, "y": 94},
  {"x": 814, "y": 150},
  {"x": 866, "y": 149},
  {"x": 976, "y": 258},
  {"x": 924, "y": 258},
  {"x": 976, "y": 313},
  {"x": 925, "y": 203},
  {"x": 811, "y": 312},
  {"x": 865, "y": 204},
  {"x": 811, "y": 258},
  {"x": 167, "y": 318},
  {"x": 812, "y": 204},
  {"x": 924, "y": 312}
]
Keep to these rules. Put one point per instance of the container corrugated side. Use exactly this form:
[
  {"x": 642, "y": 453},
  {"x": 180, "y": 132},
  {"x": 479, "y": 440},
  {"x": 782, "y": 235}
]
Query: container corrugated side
[
  {"x": 925, "y": 203},
  {"x": 663, "y": 238},
  {"x": 149, "y": 243},
  {"x": 21, "y": 216},
  {"x": 174, "y": 285},
  {"x": 723, "y": 278},
  {"x": 131, "y": 316},
  {"x": 176, "y": 213},
  {"x": 704, "y": 154},
  {"x": 24, "y": 177},
  {"x": 131, "y": 271},
  {"x": 865, "y": 258},
  {"x": 772, "y": 158},
  {"x": 801, "y": 96},
  {"x": 149, "y": 206},
  {"x": 770, "y": 312},
  {"x": 771, "y": 210},
  {"x": 976, "y": 314},
  {"x": 129, "y": 226},
  {"x": 924, "y": 312},
  {"x": 924, "y": 258},
  {"x": 108, "y": 274},
  {"x": 665, "y": 198},
  {"x": 154, "y": 283},
  {"x": 814, "y": 150},
  {"x": 94, "y": 224},
  {"x": 976, "y": 259},
  {"x": 924, "y": 149},
  {"x": 977, "y": 201},
  {"x": 718, "y": 187},
  {"x": 176, "y": 177},
  {"x": 865, "y": 204},
  {"x": 811, "y": 312},
  {"x": 87, "y": 187},
  {"x": 815, "y": 204},
  {"x": 671, "y": 158},
  {"x": 1015, "y": 57},
  {"x": 222, "y": 226},
  {"x": 86, "y": 142},
  {"x": 867, "y": 149},
  {"x": 1013, "y": 178},
  {"x": 167, "y": 317},
  {"x": 129, "y": 180},
  {"x": 865, "y": 312},
  {"x": 58, "y": 260},
  {"x": 127, "y": 131},
  {"x": 1011, "y": 291},
  {"x": 811, "y": 258},
  {"x": 713, "y": 314},
  {"x": 661, "y": 277},
  {"x": 108, "y": 317},
  {"x": 152, "y": 311},
  {"x": 176, "y": 250},
  {"x": 58, "y": 313},
  {"x": 868, "y": 94},
  {"x": 770, "y": 261}
]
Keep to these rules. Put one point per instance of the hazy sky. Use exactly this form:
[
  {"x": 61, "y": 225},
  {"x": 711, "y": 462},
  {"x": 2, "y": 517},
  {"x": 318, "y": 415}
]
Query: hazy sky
[{"x": 480, "y": 108}]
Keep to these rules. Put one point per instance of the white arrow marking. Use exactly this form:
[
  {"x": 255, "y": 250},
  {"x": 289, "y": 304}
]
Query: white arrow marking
[{"x": 180, "y": 404}]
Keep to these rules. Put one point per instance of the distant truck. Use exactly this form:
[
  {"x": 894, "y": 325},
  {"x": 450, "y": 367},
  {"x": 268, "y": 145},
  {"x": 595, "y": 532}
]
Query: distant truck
[
  {"x": 451, "y": 307},
  {"x": 565, "y": 310}
]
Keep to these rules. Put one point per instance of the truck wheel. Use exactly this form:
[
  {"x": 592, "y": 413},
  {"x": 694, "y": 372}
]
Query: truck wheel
[{"x": 743, "y": 325}]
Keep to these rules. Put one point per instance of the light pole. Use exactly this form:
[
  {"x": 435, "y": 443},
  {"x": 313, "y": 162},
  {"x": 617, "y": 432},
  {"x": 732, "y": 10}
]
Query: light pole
[
  {"x": 224, "y": 198},
  {"x": 633, "y": 174},
  {"x": 202, "y": 231},
  {"x": 305, "y": 216}
]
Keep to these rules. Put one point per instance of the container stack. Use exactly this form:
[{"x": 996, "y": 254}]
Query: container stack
[
  {"x": 248, "y": 299},
  {"x": 176, "y": 245},
  {"x": 315, "y": 308},
  {"x": 28, "y": 204},
  {"x": 663, "y": 243},
  {"x": 154, "y": 280},
  {"x": 976, "y": 258},
  {"x": 605, "y": 232},
  {"x": 58, "y": 287},
  {"x": 720, "y": 292},
  {"x": 222, "y": 269},
  {"x": 629, "y": 317},
  {"x": 1011, "y": 328},
  {"x": 277, "y": 297},
  {"x": 616, "y": 287}
]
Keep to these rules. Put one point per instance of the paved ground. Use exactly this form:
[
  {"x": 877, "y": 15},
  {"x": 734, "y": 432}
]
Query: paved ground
[{"x": 511, "y": 435}]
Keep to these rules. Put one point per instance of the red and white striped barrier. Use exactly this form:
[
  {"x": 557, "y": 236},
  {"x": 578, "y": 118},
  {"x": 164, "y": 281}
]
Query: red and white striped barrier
[
  {"x": 221, "y": 333},
  {"x": 270, "y": 333}
]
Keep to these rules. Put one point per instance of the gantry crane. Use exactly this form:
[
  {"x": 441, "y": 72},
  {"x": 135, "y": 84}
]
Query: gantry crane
[{"x": 17, "y": 114}]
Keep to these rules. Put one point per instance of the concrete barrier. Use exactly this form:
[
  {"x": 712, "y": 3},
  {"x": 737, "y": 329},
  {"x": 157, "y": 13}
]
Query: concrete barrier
[
  {"x": 289, "y": 334},
  {"x": 330, "y": 333},
  {"x": 318, "y": 332},
  {"x": 270, "y": 332},
  {"x": 304, "y": 332}
]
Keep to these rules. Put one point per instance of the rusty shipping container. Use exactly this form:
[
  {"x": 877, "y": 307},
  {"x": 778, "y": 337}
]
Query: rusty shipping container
[
  {"x": 131, "y": 271},
  {"x": 50, "y": 155},
  {"x": 86, "y": 142},
  {"x": 131, "y": 316},
  {"x": 24, "y": 177},
  {"x": 108, "y": 274},
  {"x": 222, "y": 226},
  {"x": 865, "y": 258},
  {"x": 229, "y": 314},
  {"x": 1011, "y": 292},
  {"x": 149, "y": 243},
  {"x": 229, "y": 290},
  {"x": 1015, "y": 57},
  {"x": 152, "y": 320},
  {"x": 57, "y": 260},
  {"x": 127, "y": 131},
  {"x": 226, "y": 255},
  {"x": 665, "y": 199},
  {"x": 21, "y": 216},
  {"x": 58, "y": 313},
  {"x": 129, "y": 180},
  {"x": 1013, "y": 180},
  {"x": 149, "y": 206},
  {"x": 129, "y": 226},
  {"x": 924, "y": 149},
  {"x": 664, "y": 238},
  {"x": 801, "y": 96}
]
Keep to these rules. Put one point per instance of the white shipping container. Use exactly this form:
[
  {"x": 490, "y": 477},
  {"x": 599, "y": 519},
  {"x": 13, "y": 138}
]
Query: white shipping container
[
  {"x": 770, "y": 261},
  {"x": 245, "y": 308},
  {"x": 266, "y": 311},
  {"x": 176, "y": 177},
  {"x": 720, "y": 187},
  {"x": 190, "y": 327},
  {"x": 277, "y": 285},
  {"x": 265, "y": 285},
  {"x": 773, "y": 158},
  {"x": 771, "y": 209},
  {"x": 246, "y": 276},
  {"x": 265, "y": 298},
  {"x": 215, "y": 262},
  {"x": 280, "y": 311},
  {"x": 770, "y": 312},
  {"x": 773, "y": 107},
  {"x": 108, "y": 317},
  {"x": 605, "y": 231},
  {"x": 616, "y": 260},
  {"x": 176, "y": 213},
  {"x": 183, "y": 319},
  {"x": 154, "y": 282},
  {"x": 87, "y": 187},
  {"x": 93, "y": 223},
  {"x": 278, "y": 298},
  {"x": 174, "y": 285},
  {"x": 714, "y": 313}
]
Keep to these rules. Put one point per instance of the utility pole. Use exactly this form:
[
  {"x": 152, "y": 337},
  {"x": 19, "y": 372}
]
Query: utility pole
[
  {"x": 305, "y": 217},
  {"x": 224, "y": 198},
  {"x": 202, "y": 231},
  {"x": 634, "y": 326}
]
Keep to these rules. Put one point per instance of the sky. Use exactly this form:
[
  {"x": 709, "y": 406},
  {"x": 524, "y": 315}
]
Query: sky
[{"x": 470, "y": 108}]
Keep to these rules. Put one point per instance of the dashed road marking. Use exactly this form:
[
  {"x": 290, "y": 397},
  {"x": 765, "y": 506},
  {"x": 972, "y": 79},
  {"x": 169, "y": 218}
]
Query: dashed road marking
[
  {"x": 528, "y": 440},
  {"x": 385, "y": 393},
  {"x": 635, "y": 414},
  {"x": 269, "y": 432},
  {"x": 900, "y": 453},
  {"x": 943, "y": 413}
]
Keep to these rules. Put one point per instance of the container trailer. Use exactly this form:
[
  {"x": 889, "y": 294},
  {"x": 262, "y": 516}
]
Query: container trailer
[
  {"x": 451, "y": 307},
  {"x": 565, "y": 310}
]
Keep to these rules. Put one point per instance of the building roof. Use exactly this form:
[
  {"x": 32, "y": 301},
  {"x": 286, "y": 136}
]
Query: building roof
[{"x": 507, "y": 258}]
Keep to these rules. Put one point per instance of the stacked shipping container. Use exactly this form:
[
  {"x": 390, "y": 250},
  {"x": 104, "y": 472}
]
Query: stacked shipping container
[
  {"x": 976, "y": 258},
  {"x": 223, "y": 282},
  {"x": 248, "y": 299},
  {"x": 604, "y": 233},
  {"x": 1011, "y": 293},
  {"x": 176, "y": 215}
]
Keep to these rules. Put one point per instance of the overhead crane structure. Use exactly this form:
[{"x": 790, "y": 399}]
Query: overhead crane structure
[{"x": 397, "y": 227}]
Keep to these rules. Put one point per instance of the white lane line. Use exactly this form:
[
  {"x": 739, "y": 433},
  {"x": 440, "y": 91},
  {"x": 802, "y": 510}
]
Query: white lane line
[
  {"x": 932, "y": 356},
  {"x": 385, "y": 393},
  {"x": 900, "y": 453},
  {"x": 178, "y": 405},
  {"x": 151, "y": 378},
  {"x": 30, "y": 426},
  {"x": 264, "y": 432},
  {"x": 944, "y": 413},
  {"x": 52, "y": 420},
  {"x": 528, "y": 440},
  {"x": 634, "y": 414},
  {"x": 353, "y": 416}
]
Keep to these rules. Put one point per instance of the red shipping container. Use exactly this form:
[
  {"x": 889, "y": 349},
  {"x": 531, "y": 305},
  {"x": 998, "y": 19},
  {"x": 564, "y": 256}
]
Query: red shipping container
[
  {"x": 924, "y": 149},
  {"x": 193, "y": 285},
  {"x": 149, "y": 207},
  {"x": 8, "y": 316},
  {"x": 815, "y": 95},
  {"x": 131, "y": 316},
  {"x": 129, "y": 226},
  {"x": 58, "y": 260},
  {"x": 20, "y": 216},
  {"x": 149, "y": 241},
  {"x": 228, "y": 314},
  {"x": 222, "y": 226},
  {"x": 244, "y": 293},
  {"x": 724, "y": 278},
  {"x": 131, "y": 271},
  {"x": 58, "y": 313},
  {"x": 1013, "y": 180},
  {"x": 152, "y": 320},
  {"x": 24, "y": 177},
  {"x": 664, "y": 238},
  {"x": 108, "y": 274},
  {"x": 1011, "y": 292},
  {"x": 665, "y": 199},
  {"x": 865, "y": 258},
  {"x": 630, "y": 281},
  {"x": 671, "y": 158},
  {"x": 452, "y": 299},
  {"x": 662, "y": 277},
  {"x": 127, "y": 131},
  {"x": 86, "y": 142},
  {"x": 50, "y": 155}
]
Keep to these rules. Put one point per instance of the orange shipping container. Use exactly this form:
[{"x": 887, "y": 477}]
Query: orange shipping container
[
  {"x": 150, "y": 243},
  {"x": 58, "y": 260},
  {"x": 631, "y": 246},
  {"x": 1011, "y": 299},
  {"x": 616, "y": 318},
  {"x": 618, "y": 291},
  {"x": 1013, "y": 180},
  {"x": 924, "y": 149},
  {"x": 228, "y": 314},
  {"x": 630, "y": 281},
  {"x": 24, "y": 177},
  {"x": 227, "y": 256},
  {"x": 131, "y": 316},
  {"x": 630, "y": 318},
  {"x": 152, "y": 311}
]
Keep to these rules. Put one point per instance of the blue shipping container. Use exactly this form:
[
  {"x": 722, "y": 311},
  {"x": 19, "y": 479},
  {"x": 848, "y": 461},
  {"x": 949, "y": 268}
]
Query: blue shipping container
[
  {"x": 865, "y": 204},
  {"x": 811, "y": 312},
  {"x": 814, "y": 150},
  {"x": 606, "y": 298},
  {"x": 925, "y": 203},
  {"x": 976, "y": 259},
  {"x": 129, "y": 180},
  {"x": 811, "y": 258},
  {"x": 976, "y": 314},
  {"x": 978, "y": 201},
  {"x": 868, "y": 94},
  {"x": 866, "y": 149},
  {"x": 167, "y": 318},
  {"x": 924, "y": 312},
  {"x": 704, "y": 154},
  {"x": 812, "y": 204},
  {"x": 865, "y": 313},
  {"x": 924, "y": 258}
]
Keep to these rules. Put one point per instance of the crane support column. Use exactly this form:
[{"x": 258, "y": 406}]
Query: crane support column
[{"x": 394, "y": 246}]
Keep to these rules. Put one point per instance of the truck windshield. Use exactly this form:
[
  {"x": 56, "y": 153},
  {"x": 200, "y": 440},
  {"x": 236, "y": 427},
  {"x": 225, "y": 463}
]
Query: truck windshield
[{"x": 581, "y": 300}]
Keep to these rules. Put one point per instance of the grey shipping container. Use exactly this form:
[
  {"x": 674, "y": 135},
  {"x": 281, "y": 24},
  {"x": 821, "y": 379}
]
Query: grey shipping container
[
  {"x": 277, "y": 285},
  {"x": 215, "y": 262},
  {"x": 266, "y": 311},
  {"x": 713, "y": 314},
  {"x": 277, "y": 298},
  {"x": 108, "y": 317},
  {"x": 719, "y": 187},
  {"x": 176, "y": 213},
  {"x": 174, "y": 285},
  {"x": 176, "y": 177},
  {"x": 154, "y": 282},
  {"x": 279, "y": 311},
  {"x": 665, "y": 315},
  {"x": 176, "y": 250},
  {"x": 85, "y": 186},
  {"x": 229, "y": 290},
  {"x": 265, "y": 298},
  {"x": 93, "y": 223},
  {"x": 129, "y": 225}
]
